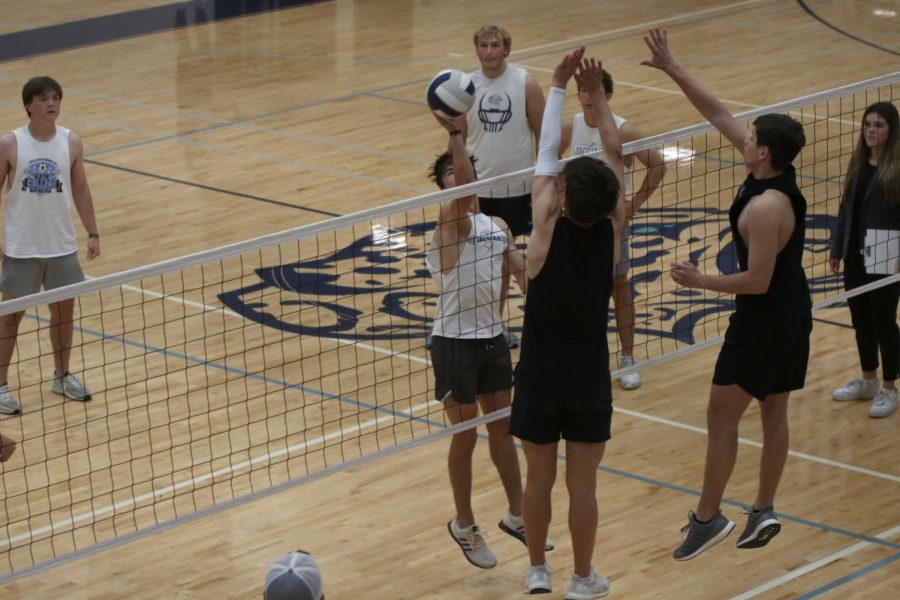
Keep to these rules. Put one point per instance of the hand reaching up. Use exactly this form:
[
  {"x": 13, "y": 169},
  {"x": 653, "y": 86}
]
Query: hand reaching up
[
  {"x": 566, "y": 68},
  {"x": 590, "y": 76},
  {"x": 661, "y": 57}
]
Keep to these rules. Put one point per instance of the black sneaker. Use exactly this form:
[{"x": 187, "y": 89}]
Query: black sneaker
[
  {"x": 702, "y": 536},
  {"x": 761, "y": 527}
]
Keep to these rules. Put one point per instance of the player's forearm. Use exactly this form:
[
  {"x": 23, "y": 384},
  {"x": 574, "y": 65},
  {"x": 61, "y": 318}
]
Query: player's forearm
[
  {"x": 703, "y": 100},
  {"x": 744, "y": 282},
  {"x": 84, "y": 204},
  {"x": 650, "y": 184},
  {"x": 606, "y": 126}
]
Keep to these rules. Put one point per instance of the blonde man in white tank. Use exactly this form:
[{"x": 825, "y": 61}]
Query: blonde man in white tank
[
  {"x": 502, "y": 130},
  {"x": 582, "y": 136},
  {"x": 42, "y": 178}
]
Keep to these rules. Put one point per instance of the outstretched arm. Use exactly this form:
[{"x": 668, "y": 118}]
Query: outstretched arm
[
  {"x": 702, "y": 99},
  {"x": 591, "y": 78},
  {"x": 544, "y": 200},
  {"x": 453, "y": 219}
]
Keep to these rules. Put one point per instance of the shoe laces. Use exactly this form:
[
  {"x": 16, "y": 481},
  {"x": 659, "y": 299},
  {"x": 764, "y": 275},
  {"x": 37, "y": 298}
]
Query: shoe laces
[
  {"x": 883, "y": 397},
  {"x": 475, "y": 538}
]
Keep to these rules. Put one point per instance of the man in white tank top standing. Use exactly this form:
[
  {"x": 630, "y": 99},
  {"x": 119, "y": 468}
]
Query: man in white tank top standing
[
  {"x": 582, "y": 135},
  {"x": 502, "y": 129},
  {"x": 42, "y": 177},
  {"x": 471, "y": 257}
]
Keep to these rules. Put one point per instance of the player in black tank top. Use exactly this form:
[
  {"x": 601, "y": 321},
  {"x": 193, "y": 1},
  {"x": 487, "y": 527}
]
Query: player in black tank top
[
  {"x": 567, "y": 335},
  {"x": 788, "y": 292},
  {"x": 562, "y": 384},
  {"x": 766, "y": 347}
]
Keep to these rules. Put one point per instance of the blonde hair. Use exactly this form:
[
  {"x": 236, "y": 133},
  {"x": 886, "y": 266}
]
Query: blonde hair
[
  {"x": 493, "y": 31},
  {"x": 887, "y": 177}
]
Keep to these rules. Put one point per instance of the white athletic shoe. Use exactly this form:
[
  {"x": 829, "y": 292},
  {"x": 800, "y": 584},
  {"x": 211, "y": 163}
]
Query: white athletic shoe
[
  {"x": 472, "y": 544},
  {"x": 588, "y": 588},
  {"x": 629, "y": 381},
  {"x": 884, "y": 404},
  {"x": 537, "y": 580},
  {"x": 8, "y": 404},
  {"x": 69, "y": 386},
  {"x": 515, "y": 527},
  {"x": 858, "y": 389}
]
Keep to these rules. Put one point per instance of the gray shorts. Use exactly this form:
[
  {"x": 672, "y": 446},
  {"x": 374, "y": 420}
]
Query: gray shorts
[
  {"x": 25, "y": 276},
  {"x": 624, "y": 264}
]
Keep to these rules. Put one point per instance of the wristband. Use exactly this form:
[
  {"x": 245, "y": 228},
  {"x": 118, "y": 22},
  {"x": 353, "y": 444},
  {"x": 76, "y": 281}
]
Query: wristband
[
  {"x": 95, "y": 236},
  {"x": 455, "y": 132}
]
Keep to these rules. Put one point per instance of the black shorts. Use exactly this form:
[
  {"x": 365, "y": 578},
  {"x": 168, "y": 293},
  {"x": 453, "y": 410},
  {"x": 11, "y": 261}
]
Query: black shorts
[
  {"x": 764, "y": 354},
  {"x": 467, "y": 368},
  {"x": 545, "y": 409},
  {"x": 515, "y": 210}
]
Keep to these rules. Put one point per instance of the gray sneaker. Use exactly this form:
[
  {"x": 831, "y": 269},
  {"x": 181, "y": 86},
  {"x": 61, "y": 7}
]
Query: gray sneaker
[
  {"x": 702, "y": 536},
  {"x": 588, "y": 588},
  {"x": 515, "y": 527},
  {"x": 472, "y": 544},
  {"x": 69, "y": 386},
  {"x": 884, "y": 404},
  {"x": 629, "y": 381},
  {"x": 8, "y": 404},
  {"x": 761, "y": 527},
  {"x": 858, "y": 389},
  {"x": 537, "y": 580}
]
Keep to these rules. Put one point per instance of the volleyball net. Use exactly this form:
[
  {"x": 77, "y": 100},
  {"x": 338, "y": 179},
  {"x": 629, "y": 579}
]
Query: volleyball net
[{"x": 250, "y": 367}]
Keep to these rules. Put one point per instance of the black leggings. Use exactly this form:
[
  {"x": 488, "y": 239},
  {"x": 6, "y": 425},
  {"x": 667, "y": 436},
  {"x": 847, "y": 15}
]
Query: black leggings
[{"x": 874, "y": 316}]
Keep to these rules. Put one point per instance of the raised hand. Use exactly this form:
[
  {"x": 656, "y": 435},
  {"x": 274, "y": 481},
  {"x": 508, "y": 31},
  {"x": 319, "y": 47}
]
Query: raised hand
[
  {"x": 590, "y": 76},
  {"x": 450, "y": 123},
  {"x": 661, "y": 57},
  {"x": 566, "y": 68}
]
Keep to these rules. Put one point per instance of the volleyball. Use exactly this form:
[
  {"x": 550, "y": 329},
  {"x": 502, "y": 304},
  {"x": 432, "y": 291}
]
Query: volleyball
[{"x": 451, "y": 93}]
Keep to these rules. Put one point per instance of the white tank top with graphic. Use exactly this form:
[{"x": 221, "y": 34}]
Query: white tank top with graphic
[
  {"x": 587, "y": 139},
  {"x": 469, "y": 304},
  {"x": 499, "y": 136},
  {"x": 37, "y": 214}
]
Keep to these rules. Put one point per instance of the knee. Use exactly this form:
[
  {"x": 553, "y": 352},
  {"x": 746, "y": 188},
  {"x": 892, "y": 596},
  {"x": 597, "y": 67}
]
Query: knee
[
  {"x": 62, "y": 311},
  {"x": 499, "y": 430},
  {"x": 580, "y": 488},
  {"x": 465, "y": 440},
  {"x": 773, "y": 420}
]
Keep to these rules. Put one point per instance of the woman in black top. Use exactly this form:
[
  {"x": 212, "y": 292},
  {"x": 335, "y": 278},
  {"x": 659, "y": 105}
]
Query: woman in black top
[{"x": 871, "y": 201}]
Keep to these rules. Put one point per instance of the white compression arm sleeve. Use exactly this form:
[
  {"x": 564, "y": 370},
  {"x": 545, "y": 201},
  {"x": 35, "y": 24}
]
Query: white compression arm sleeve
[{"x": 551, "y": 131}]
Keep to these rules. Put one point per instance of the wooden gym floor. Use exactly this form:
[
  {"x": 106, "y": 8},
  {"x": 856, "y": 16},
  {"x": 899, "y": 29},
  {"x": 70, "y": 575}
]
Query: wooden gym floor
[{"x": 215, "y": 133}]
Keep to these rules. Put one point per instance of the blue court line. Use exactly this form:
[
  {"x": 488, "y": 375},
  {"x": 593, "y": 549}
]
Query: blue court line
[
  {"x": 199, "y": 361},
  {"x": 107, "y": 28},
  {"x": 356, "y": 403},
  {"x": 211, "y": 188},
  {"x": 850, "y": 577}
]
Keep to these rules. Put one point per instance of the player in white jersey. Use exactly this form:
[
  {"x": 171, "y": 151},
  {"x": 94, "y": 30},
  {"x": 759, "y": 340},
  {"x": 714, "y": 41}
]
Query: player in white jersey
[
  {"x": 42, "y": 176},
  {"x": 502, "y": 129},
  {"x": 470, "y": 257},
  {"x": 582, "y": 136}
]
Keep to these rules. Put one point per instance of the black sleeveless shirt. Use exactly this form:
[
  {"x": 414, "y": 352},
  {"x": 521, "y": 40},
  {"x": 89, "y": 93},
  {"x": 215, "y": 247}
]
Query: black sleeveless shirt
[
  {"x": 788, "y": 292},
  {"x": 567, "y": 305}
]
